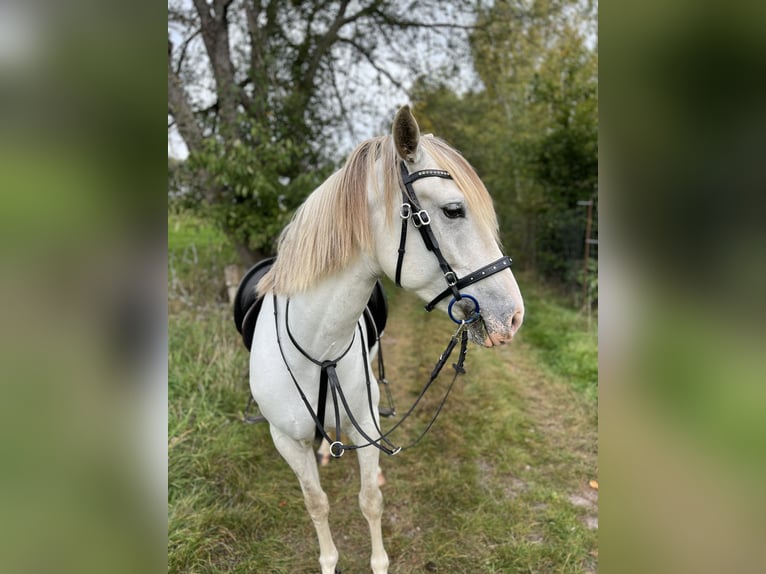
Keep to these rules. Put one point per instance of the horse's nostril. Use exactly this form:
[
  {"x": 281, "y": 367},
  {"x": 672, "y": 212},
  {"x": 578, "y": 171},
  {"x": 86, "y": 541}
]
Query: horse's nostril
[{"x": 516, "y": 321}]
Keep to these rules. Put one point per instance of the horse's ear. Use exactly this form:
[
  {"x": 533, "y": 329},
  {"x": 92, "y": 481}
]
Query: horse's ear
[{"x": 406, "y": 135}]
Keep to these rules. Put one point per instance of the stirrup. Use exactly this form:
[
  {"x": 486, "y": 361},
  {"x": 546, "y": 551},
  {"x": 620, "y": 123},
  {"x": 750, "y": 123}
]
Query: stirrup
[
  {"x": 386, "y": 412},
  {"x": 390, "y": 410},
  {"x": 251, "y": 419}
]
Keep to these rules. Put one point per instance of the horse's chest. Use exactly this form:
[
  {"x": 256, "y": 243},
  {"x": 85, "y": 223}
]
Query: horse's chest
[{"x": 247, "y": 306}]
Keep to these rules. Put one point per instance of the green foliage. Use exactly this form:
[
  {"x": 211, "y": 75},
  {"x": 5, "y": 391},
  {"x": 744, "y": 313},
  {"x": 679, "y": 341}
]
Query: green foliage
[
  {"x": 198, "y": 252},
  {"x": 532, "y": 131},
  {"x": 184, "y": 189},
  {"x": 259, "y": 182},
  {"x": 567, "y": 341}
]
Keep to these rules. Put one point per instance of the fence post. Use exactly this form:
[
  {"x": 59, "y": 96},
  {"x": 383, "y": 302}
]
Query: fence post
[
  {"x": 232, "y": 275},
  {"x": 589, "y": 204}
]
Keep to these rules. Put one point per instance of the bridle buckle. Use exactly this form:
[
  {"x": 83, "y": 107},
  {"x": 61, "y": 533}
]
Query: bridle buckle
[
  {"x": 405, "y": 211},
  {"x": 420, "y": 218},
  {"x": 451, "y": 278}
]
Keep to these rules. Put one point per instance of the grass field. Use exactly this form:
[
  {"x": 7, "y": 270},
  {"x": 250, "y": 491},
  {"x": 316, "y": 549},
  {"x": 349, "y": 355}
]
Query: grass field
[{"x": 500, "y": 484}]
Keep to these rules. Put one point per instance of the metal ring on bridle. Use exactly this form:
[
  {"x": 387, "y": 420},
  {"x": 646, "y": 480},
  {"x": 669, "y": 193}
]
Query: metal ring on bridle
[
  {"x": 474, "y": 316},
  {"x": 340, "y": 447}
]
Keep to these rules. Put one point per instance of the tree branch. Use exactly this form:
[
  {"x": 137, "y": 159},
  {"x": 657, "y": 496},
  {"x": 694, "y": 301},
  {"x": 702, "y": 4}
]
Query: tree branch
[
  {"x": 178, "y": 16},
  {"x": 184, "y": 47},
  {"x": 402, "y": 23},
  {"x": 180, "y": 108},
  {"x": 258, "y": 75},
  {"x": 221, "y": 7},
  {"x": 368, "y": 56},
  {"x": 215, "y": 34},
  {"x": 341, "y": 104},
  {"x": 366, "y": 11},
  {"x": 331, "y": 37},
  {"x": 327, "y": 40},
  {"x": 203, "y": 9},
  {"x": 211, "y": 108}
]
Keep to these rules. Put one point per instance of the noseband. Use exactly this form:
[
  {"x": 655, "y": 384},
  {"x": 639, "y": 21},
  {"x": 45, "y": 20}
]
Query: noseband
[{"x": 411, "y": 210}]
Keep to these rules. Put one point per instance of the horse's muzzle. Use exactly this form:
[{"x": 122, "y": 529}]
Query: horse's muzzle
[{"x": 496, "y": 333}]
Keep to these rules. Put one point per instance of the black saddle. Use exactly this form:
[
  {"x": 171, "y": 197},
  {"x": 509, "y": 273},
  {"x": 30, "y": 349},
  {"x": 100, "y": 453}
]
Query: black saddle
[{"x": 247, "y": 306}]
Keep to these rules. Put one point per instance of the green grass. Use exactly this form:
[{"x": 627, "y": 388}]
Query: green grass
[
  {"x": 197, "y": 256},
  {"x": 497, "y": 486},
  {"x": 566, "y": 340}
]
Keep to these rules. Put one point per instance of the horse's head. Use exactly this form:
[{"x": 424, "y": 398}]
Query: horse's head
[{"x": 448, "y": 217}]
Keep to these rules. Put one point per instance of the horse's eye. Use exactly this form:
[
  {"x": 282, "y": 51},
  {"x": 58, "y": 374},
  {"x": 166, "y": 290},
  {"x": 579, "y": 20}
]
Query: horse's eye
[{"x": 454, "y": 210}]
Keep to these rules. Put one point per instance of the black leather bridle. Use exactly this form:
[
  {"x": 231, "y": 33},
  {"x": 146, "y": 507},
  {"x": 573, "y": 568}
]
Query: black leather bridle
[{"x": 411, "y": 210}]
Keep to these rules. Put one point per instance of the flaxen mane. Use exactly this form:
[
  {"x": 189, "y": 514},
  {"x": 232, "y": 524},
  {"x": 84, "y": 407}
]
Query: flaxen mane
[{"x": 333, "y": 224}]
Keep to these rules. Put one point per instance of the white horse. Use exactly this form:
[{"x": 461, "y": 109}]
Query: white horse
[{"x": 346, "y": 235}]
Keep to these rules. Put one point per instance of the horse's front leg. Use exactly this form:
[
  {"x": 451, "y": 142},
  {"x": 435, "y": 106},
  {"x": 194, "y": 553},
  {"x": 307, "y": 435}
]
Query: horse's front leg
[
  {"x": 323, "y": 454},
  {"x": 371, "y": 499},
  {"x": 300, "y": 456}
]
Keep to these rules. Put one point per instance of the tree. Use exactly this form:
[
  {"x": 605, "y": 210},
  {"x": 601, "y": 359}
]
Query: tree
[
  {"x": 565, "y": 157},
  {"x": 258, "y": 90},
  {"x": 531, "y": 129}
]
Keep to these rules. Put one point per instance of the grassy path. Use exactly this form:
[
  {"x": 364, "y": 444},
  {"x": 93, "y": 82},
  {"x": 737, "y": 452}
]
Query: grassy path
[
  {"x": 500, "y": 484},
  {"x": 512, "y": 457}
]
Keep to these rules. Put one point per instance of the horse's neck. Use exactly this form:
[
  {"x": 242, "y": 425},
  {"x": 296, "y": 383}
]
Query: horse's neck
[{"x": 323, "y": 319}]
